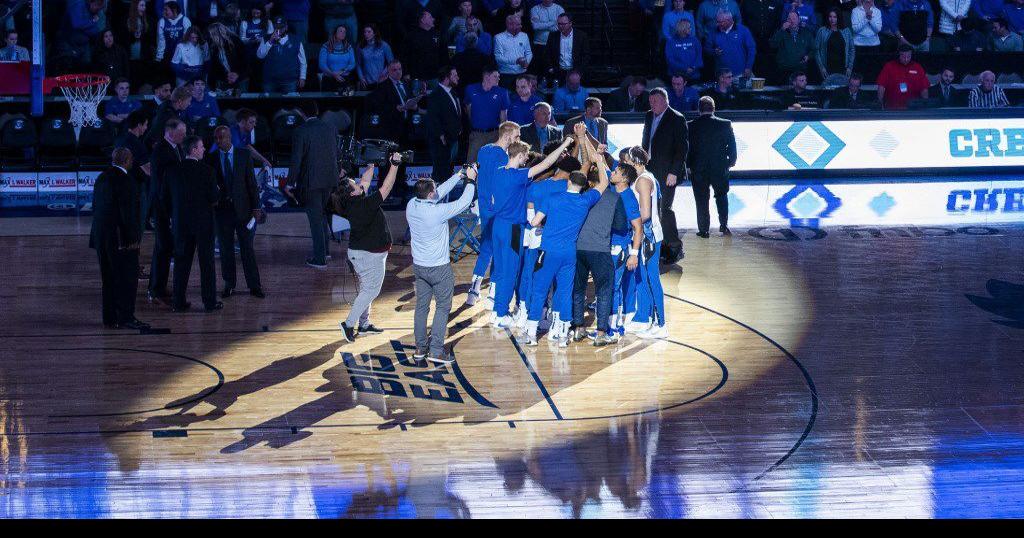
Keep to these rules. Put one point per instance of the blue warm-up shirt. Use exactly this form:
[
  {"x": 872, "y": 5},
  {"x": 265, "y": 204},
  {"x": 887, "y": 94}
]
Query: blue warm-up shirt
[
  {"x": 510, "y": 194},
  {"x": 489, "y": 159},
  {"x": 632, "y": 208},
  {"x": 565, "y": 212}
]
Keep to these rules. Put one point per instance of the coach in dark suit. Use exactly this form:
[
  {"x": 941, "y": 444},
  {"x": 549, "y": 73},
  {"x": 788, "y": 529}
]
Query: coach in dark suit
[
  {"x": 239, "y": 204},
  {"x": 312, "y": 175},
  {"x": 539, "y": 133},
  {"x": 712, "y": 154},
  {"x": 192, "y": 189},
  {"x": 576, "y": 48},
  {"x": 390, "y": 103},
  {"x": 665, "y": 140},
  {"x": 633, "y": 97},
  {"x": 597, "y": 126},
  {"x": 167, "y": 155},
  {"x": 116, "y": 235},
  {"x": 444, "y": 123}
]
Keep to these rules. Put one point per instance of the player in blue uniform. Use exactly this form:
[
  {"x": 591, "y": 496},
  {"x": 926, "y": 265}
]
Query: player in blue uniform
[{"x": 626, "y": 243}]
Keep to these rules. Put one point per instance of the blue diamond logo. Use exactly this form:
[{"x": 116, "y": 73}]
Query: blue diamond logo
[
  {"x": 806, "y": 205},
  {"x": 881, "y": 204},
  {"x": 735, "y": 204},
  {"x": 808, "y": 145}
]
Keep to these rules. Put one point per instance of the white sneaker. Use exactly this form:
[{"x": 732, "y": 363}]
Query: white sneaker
[
  {"x": 656, "y": 332},
  {"x": 635, "y": 327},
  {"x": 556, "y": 331},
  {"x": 530, "y": 340},
  {"x": 502, "y": 322},
  {"x": 472, "y": 297},
  {"x": 565, "y": 340}
]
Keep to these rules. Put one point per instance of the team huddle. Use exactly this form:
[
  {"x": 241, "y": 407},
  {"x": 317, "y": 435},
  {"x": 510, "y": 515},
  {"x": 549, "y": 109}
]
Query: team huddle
[{"x": 551, "y": 222}]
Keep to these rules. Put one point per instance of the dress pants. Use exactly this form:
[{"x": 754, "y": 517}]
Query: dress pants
[
  {"x": 187, "y": 247},
  {"x": 441, "y": 157},
  {"x": 703, "y": 182},
  {"x": 505, "y": 274},
  {"x": 672, "y": 242},
  {"x": 437, "y": 283},
  {"x": 599, "y": 264},
  {"x": 316, "y": 199},
  {"x": 163, "y": 248},
  {"x": 228, "y": 227},
  {"x": 119, "y": 272}
]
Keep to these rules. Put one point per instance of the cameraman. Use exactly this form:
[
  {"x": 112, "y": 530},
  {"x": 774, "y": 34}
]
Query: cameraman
[
  {"x": 312, "y": 175},
  {"x": 369, "y": 241},
  {"x": 428, "y": 224}
]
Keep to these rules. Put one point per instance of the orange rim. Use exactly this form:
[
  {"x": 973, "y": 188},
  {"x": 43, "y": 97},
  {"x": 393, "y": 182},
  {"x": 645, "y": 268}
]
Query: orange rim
[{"x": 81, "y": 81}]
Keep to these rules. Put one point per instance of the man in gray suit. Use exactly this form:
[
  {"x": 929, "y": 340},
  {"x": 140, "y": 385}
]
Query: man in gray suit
[
  {"x": 540, "y": 132},
  {"x": 597, "y": 127},
  {"x": 313, "y": 174}
]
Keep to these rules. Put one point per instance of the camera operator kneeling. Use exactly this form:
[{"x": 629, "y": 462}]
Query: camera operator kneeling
[{"x": 369, "y": 241}]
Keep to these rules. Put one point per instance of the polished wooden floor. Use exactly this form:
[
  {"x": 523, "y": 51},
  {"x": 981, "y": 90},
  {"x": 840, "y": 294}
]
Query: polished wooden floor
[{"x": 840, "y": 376}]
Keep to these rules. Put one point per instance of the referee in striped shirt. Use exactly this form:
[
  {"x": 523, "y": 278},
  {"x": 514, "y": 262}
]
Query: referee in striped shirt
[{"x": 987, "y": 94}]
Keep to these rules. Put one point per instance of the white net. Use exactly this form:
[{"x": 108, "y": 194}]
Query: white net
[{"x": 84, "y": 96}]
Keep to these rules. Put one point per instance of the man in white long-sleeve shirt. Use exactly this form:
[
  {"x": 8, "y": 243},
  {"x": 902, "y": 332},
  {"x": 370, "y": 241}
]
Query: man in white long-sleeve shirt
[
  {"x": 512, "y": 51},
  {"x": 284, "y": 61},
  {"x": 428, "y": 226},
  {"x": 866, "y": 23},
  {"x": 951, "y": 14}
]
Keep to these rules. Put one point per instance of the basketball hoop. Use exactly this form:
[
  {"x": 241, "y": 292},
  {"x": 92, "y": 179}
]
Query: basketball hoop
[{"x": 84, "y": 93}]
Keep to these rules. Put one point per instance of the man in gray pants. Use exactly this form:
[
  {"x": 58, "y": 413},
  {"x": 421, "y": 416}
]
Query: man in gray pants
[{"x": 428, "y": 224}]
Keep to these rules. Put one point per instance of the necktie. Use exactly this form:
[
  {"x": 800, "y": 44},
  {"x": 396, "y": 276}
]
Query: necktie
[{"x": 228, "y": 175}]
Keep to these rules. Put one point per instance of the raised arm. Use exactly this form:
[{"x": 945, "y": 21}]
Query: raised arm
[
  {"x": 602, "y": 166},
  {"x": 550, "y": 160},
  {"x": 389, "y": 181}
]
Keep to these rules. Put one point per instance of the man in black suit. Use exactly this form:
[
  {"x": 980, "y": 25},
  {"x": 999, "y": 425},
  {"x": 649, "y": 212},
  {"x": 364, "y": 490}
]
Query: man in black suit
[
  {"x": 136, "y": 126},
  {"x": 192, "y": 189},
  {"x": 631, "y": 98},
  {"x": 944, "y": 93},
  {"x": 539, "y": 133},
  {"x": 566, "y": 49},
  {"x": 116, "y": 235},
  {"x": 393, "y": 103},
  {"x": 238, "y": 206},
  {"x": 167, "y": 154},
  {"x": 851, "y": 96},
  {"x": 173, "y": 108},
  {"x": 712, "y": 154},
  {"x": 312, "y": 175},
  {"x": 444, "y": 123},
  {"x": 665, "y": 140}
]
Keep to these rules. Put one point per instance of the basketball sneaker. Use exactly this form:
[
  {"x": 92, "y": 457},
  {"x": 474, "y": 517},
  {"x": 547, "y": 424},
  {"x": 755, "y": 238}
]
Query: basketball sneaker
[{"x": 656, "y": 332}]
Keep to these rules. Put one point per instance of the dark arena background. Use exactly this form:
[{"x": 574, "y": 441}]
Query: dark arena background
[{"x": 853, "y": 349}]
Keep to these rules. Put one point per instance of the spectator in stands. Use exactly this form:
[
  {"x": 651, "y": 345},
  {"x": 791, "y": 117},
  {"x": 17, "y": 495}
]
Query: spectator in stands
[
  {"x": 969, "y": 38},
  {"x": 683, "y": 52},
  {"x": 804, "y": 12},
  {"x": 512, "y": 7},
  {"x": 12, "y": 52},
  {"x": 255, "y": 28},
  {"x": 190, "y": 56},
  {"x": 843, "y": 7},
  {"x": 470, "y": 63},
  {"x": 284, "y": 61},
  {"x": 520, "y": 108},
  {"x": 890, "y": 24},
  {"x": 1003, "y": 40},
  {"x": 793, "y": 46},
  {"x": 708, "y": 15},
  {"x": 424, "y": 49},
  {"x": 374, "y": 57},
  {"x": 850, "y": 96},
  {"x": 407, "y": 14},
  {"x": 632, "y": 97},
  {"x": 337, "y": 61},
  {"x": 670, "y": 20},
  {"x": 512, "y": 50},
  {"x": 681, "y": 96},
  {"x": 944, "y": 92},
  {"x": 916, "y": 23},
  {"x": 951, "y": 14},
  {"x": 544, "y": 18},
  {"x": 591, "y": 118},
  {"x": 231, "y": 18},
  {"x": 83, "y": 22},
  {"x": 723, "y": 92},
  {"x": 866, "y": 23},
  {"x": 571, "y": 98},
  {"x": 901, "y": 81},
  {"x": 487, "y": 107},
  {"x": 799, "y": 97},
  {"x": 567, "y": 49},
  {"x": 987, "y": 94},
  {"x": 457, "y": 26},
  {"x": 174, "y": 108},
  {"x": 732, "y": 46},
  {"x": 243, "y": 134},
  {"x": 484, "y": 41},
  {"x": 203, "y": 104},
  {"x": 540, "y": 132},
  {"x": 117, "y": 108},
  {"x": 1013, "y": 12},
  {"x": 393, "y": 101},
  {"x": 137, "y": 34},
  {"x": 296, "y": 14},
  {"x": 110, "y": 58},
  {"x": 987, "y": 11},
  {"x": 170, "y": 30},
  {"x": 340, "y": 12},
  {"x": 834, "y": 51},
  {"x": 161, "y": 93},
  {"x": 229, "y": 62},
  {"x": 761, "y": 17}
]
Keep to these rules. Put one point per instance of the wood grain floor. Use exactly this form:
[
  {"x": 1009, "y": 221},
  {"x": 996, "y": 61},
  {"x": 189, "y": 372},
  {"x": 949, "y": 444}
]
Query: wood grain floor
[{"x": 848, "y": 376}]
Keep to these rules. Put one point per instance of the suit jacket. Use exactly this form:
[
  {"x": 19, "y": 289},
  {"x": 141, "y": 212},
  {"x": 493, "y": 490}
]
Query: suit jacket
[
  {"x": 712, "y": 145},
  {"x": 667, "y": 146},
  {"x": 164, "y": 157},
  {"x": 580, "y": 50},
  {"x": 528, "y": 134},
  {"x": 156, "y": 127},
  {"x": 193, "y": 192},
  {"x": 841, "y": 98},
  {"x": 243, "y": 196},
  {"x": 618, "y": 101},
  {"x": 383, "y": 101},
  {"x": 443, "y": 116},
  {"x": 602, "y": 127},
  {"x": 956, "y": 97},
  {"x": 314, "y": 156},
  {"x": 115, "y": 211}
]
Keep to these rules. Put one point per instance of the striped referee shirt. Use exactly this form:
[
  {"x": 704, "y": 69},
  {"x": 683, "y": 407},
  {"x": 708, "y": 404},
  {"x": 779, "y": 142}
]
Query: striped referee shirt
[{"x": 992, "y": 99}]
